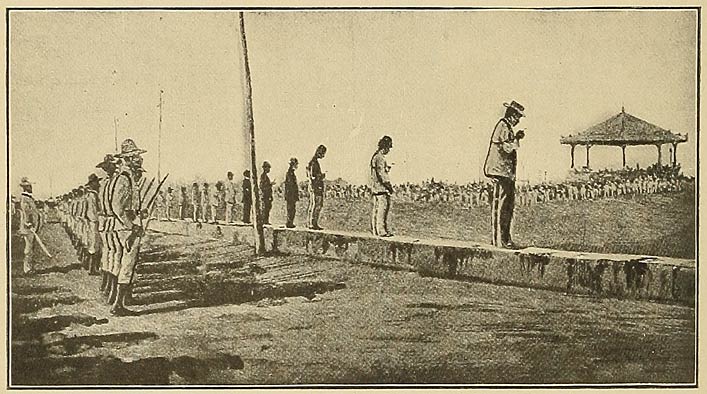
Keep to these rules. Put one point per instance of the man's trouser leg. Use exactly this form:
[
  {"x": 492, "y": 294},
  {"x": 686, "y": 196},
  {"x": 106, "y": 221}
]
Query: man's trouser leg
[
  {"x": 317, "y": 209},
  {"x": 93, "y": 247},
  {"x": 310, "y": 208},
  {"x": 494, "y": 213},
  {"x": 27, "y": 257},
  {"x": 246, "y": 212},
  {"x": 128, "y": 259},
  {"x": 506, "y": 207},
  {"x": 267, "y": 205},
  {"x": 291, "y": 209},
  {"x": 229, "y": 212}
]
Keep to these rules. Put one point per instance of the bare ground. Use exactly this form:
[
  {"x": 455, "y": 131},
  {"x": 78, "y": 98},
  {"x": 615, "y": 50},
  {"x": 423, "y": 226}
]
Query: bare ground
[{"x": 300, "y": 320}]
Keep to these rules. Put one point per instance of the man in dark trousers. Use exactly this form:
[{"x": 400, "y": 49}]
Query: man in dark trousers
[
  {"x": 500, "y": 166},
  {"x": 291, "y": 193},
  {"x": 266, "y": 192},
  {"x": 247, "y": 198}
]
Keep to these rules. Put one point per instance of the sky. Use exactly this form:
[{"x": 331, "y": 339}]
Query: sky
[{"x": 435, "y": 81}]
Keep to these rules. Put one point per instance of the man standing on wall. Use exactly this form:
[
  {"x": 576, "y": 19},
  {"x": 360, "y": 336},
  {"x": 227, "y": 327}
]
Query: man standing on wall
[
  {"x": 500, "y": 166},
  {"x": 381, "y": 189},
  {"x": 247, "y": 198},
  {"x": 230, "y": 196},
  {"x": 316, "y": 188},
  {"x": 291, "y": 192},
  {"x": 266, "y": 191}
]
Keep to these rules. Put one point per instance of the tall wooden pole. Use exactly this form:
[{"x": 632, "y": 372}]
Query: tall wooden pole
[
  {"x": 115, "y": 134},
  {"x": 159, "y": 140},
  {"x": 255, "y": 189}
]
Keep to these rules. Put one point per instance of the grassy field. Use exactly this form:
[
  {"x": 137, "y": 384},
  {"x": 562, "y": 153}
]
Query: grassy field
[{"x": 662, "y": 224}]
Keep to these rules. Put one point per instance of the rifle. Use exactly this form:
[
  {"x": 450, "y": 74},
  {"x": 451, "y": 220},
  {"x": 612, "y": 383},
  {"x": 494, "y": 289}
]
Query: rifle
[{"x": 150, "y": 207}]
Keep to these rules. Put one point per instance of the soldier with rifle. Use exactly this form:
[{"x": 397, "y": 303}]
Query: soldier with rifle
[
  {"x": 30, "y": 222},
  {"x": 127, "y": 219}
]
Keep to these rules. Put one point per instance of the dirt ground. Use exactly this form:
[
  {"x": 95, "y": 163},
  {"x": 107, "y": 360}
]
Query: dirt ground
[
  {"x": 211, "y": 313},
  {"x": 659, "y": 224}
]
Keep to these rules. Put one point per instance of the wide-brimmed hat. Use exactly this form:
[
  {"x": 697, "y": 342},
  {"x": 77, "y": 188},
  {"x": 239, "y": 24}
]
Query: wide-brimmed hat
[
  {"x": 25, "y": 181},
  {"x": 92, "y": 178},
  {"x": 108, "y": 159},
  {"x": 516, "y": 107},
  {"x": 129, "y": 148}
]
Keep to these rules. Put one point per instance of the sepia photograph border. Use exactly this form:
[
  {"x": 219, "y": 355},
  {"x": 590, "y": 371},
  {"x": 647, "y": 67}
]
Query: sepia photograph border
[{"x": 9, "y": 9}]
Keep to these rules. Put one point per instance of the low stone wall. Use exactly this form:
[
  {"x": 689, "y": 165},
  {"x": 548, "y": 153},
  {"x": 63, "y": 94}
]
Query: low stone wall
[{"x": 612, "y": 275}]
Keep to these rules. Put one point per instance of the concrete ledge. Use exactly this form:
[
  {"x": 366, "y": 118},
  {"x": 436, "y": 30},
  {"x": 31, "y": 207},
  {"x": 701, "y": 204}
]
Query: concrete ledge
[{"x": 611, "y": 275}]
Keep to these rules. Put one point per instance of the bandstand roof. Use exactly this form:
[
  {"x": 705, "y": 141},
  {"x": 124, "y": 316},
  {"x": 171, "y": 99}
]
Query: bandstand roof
[{"x": 623, "y": 129}]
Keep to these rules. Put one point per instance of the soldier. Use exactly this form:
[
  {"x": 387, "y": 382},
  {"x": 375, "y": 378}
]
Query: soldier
[
  {"x": 291, "y": 192},
  {"x": 128, "y": 218},
  {"x": 230, "y": 196},
  {"x": 500, "y": 166},
  {"x": 247, "y": 198},
  {"x": 381, "y": 188},
  {"x": 93, "y": 238},
  {"x": 30, "y": 222},
  {"x": 316, "y": 188},
  {"x": 108, "y": 165},
  {"x": 266, "y": 192}
]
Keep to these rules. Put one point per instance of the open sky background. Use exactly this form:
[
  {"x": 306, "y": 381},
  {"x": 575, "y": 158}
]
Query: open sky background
[{"x": 433, "y": 80}]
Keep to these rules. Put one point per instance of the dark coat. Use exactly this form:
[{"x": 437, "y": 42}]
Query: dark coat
[{"x": 291, "y": 188}]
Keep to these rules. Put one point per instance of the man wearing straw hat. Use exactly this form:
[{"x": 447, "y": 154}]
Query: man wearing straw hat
[
  {"x": 500, "y": 166},
  {"x": 126, "y": 216},
  {"x": 29, "y": 223}
]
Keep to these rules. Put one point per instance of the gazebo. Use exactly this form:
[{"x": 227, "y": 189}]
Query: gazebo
[{"x": 625, "y": 130}]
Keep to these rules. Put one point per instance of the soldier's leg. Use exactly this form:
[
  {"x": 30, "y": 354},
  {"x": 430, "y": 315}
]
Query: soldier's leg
[
  {"x": 104, "y": 261},
  {"x": 27, "y": 265},
  {"x": 115, "y": 269},
  {"x": 96, "y": 261},
  {"x": 125, "y": 275},
  {"x": 229, "y": 209},
  {"x": 374, "y": 215}
]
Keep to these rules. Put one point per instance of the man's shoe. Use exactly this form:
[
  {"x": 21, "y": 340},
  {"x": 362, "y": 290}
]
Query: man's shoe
[
  {"x": 290, "y": 226},
  {"x": 510, "y": 245},
  {"x": 386, "y": 235}
]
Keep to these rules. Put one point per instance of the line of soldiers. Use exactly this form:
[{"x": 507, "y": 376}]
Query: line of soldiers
[{"x": 104, "y": 219}]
